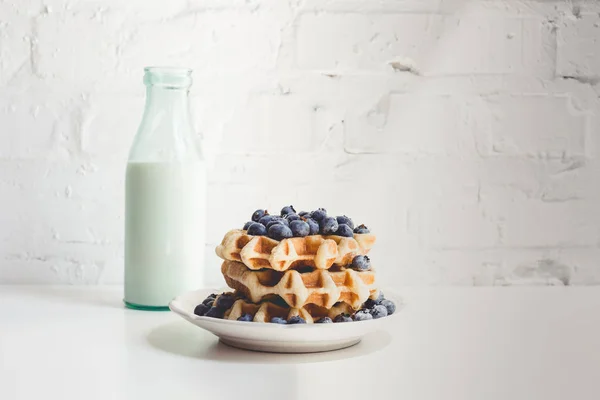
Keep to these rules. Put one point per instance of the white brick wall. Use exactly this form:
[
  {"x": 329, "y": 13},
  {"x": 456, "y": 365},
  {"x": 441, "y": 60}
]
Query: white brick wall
[{"x": 465, "y": 133}]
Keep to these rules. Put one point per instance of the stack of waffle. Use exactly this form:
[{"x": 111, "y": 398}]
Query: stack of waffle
[{"x": 309, "y": 277}]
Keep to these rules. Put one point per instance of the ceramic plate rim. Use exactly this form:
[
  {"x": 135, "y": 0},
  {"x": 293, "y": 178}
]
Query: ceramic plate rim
[{"x": 174, "y": 307}]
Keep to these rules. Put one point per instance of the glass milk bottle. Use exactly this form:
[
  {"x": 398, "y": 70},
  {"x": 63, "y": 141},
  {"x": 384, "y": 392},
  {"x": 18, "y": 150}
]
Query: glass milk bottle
[{"x": 165, "y": 192}]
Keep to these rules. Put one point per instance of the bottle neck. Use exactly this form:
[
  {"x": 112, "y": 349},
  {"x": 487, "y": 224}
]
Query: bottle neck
[
  {"x": 168, "y": 107},
  {"x": 166, "y": 132},
  {"x": 162, "y": 99}
]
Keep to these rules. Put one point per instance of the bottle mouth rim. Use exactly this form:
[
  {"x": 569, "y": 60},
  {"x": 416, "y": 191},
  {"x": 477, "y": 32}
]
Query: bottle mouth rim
[
  {"x": 157, "y": 70},
  {"x": 168, "y": 77}
]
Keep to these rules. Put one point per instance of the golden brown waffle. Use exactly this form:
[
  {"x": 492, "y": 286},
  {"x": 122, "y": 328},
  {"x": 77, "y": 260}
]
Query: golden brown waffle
[
  {"x": 263, "y": 312},
  {"x": 321, "y": 252},
  {"x": 322, "y": 288}
]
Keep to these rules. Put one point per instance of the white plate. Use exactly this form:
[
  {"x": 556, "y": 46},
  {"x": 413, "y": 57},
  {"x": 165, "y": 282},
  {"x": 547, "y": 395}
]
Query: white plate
[{"x": 300, "y": 338}]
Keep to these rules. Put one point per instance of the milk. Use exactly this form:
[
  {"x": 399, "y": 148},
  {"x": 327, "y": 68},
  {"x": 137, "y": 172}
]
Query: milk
[{"x": 164, "y": 230}]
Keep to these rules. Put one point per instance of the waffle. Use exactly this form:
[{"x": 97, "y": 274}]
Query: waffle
[
  {"x": 263, "y": 312},
  {"x": 322, "y": 288},
  {"x": 321, "y": 252}
]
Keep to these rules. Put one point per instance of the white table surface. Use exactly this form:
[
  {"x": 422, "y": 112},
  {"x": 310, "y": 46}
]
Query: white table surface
[{"x": 450, "y": 343}]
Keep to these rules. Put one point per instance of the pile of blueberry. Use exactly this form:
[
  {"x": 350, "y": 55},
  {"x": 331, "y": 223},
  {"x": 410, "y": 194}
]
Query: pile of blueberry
[
  {"x": 214, "y": 306},
  {"x": 291, "y": 224},
  {"x": 371, "y": 309}
]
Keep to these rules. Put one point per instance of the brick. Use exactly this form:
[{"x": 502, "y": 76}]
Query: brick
[
  {"x": 578, "y": 53},
  {"x": 207, "y": 41},
  {"x": 344, "y": 41},
  {"x": 584, "y": 265},
  {"x": 256, "y": 6},
  {"x": 274, "y": 124},
  {"x": 36, "y": 125},
  {"x": 533, "y": 126},
  {"x": 454, "y": 226},
  {"x": 482, "y": 44},
  {"x": 555, "y": 267},
  {"x": 411, "y": 123},
  {"x": 220, "y": 94},
  {"x": 27, "y": 271},
  {"x": 505, "y": 267},
  {"x": 108, "y": 126},
  {"x": 529, "y": 223},
  {"x": 74, "y": 206},
  {"x": 78, "y": 48},
  {"x": 15, "y": 42},
  {"x": 545, "y": 180},
  {"x": 132, "y": 11},
  {"x": 438, "y": 45},
  {"x": 433, "y": 180},
  {"x": 59, "y": 265},
  {"x": 129, "y": 12},
  {"x": 462, "y": 267},
  {"x": 216, "y": 98},
  {"x": 357, "y": 6},
  {"x": 300, "y": 168}
]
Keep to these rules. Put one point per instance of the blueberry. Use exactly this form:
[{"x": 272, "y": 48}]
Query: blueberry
[
  {"x": 342, "y": 219},
  {"x": 266, "y": 219},
  {"x": 379, "y": 311},
  {"x": 201, "y": 309},
  {"x": 361, "y": 263},
  {"x": 292, "y": 217},
  {"x": 369, "y": 304},
  {"x": 257, "y": 229},
  {"x": 390, "y": 306},
  {"x": 361, "y": 229},
  {"x": 296, "y": 319},
  {"x": 208, "y": 301},
  {"x": 313, "y": 225},
  {"x": 280, "y": 232},
  {"x": 344, "y": 230},
  {"x": 225, "y": 301},
  {"x": 211, "y": 296},
  {"x": 328, "y": 226},
  {"x": 304, "y": 214},
  {"x": 299, "y": 228},
  {"x": 247, "y": 225},
  {"x": 319, "y": 214},
  {"x": 278, "y": 320},
  {"x": 324, "y": 320},
  {"x": 362, "y": 315},
  {"x": 279, "y": 221},
  {"x": 342, "y": 318},
  {"x": 273, "y": 222},
  {"x": 215, "y": 312},
  {"x": 258, "y": 214},
  {"x": 246, "y": 318},
  {"x": 287, "y": 210},
  {"x": 284, "y": 221}
]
